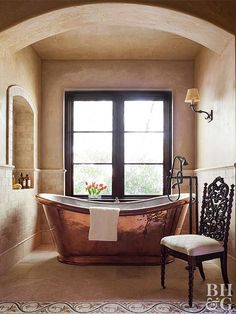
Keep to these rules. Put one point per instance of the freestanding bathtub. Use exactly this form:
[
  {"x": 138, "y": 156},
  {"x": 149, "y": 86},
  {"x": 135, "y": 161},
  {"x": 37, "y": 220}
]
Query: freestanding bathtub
[{"x": 141, "y": 225}]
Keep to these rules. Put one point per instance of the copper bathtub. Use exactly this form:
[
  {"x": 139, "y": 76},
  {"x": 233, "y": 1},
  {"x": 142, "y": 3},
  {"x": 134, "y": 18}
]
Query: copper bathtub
[{"x": 141, "y": 226}]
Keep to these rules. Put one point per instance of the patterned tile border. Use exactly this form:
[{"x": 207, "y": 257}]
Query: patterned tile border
[{"x": 152, "y": 307}]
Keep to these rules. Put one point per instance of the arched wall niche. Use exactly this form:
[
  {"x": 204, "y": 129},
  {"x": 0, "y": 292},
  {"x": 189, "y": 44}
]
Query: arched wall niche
[
  {"x": 21, "y": 132},
  {"x": 125, "y": 14}
]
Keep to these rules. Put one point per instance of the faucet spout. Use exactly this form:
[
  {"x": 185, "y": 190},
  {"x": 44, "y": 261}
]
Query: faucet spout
[{"x": 117, "y": 200}]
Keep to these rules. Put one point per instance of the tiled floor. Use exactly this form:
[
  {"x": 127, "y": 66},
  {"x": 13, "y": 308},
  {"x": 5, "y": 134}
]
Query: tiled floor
[{"x": 40, "y": 277}]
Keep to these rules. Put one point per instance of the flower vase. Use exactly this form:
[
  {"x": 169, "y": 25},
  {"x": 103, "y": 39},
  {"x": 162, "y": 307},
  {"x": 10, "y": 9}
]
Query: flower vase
[{"x": 94, "y": 196}]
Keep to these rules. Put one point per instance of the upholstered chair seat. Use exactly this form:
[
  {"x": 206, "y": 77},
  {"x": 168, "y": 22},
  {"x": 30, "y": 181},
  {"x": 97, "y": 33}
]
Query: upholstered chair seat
[{"x": 192, "y": 244}]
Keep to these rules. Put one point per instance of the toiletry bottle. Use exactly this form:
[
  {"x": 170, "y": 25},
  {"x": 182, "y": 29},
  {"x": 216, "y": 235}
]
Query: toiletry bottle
[
  {"x": 13, "y": 180},
  {"x": 21, "y": 178},
  {"x": 24, "y": 183},
  {"x": 28, "y": 181}
]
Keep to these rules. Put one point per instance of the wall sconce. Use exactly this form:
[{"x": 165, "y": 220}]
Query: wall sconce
[{"x": 192, "y": 97}]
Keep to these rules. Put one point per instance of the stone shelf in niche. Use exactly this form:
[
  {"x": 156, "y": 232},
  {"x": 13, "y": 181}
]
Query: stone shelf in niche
[
  {"x": 30, "y": 189},
  {"x": 22, "y": 177}
]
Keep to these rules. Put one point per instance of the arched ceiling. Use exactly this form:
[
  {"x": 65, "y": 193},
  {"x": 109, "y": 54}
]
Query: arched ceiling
[
  {"x": 98, "y": 42},
  {"x": 118, "y": 15}
]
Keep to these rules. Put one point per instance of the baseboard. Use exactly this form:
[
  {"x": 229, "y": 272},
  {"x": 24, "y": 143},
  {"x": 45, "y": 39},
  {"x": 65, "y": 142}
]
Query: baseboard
[{"x": 14, "y": 254}]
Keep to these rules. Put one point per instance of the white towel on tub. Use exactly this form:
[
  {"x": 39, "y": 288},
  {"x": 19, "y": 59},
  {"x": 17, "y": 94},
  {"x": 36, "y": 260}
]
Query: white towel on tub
[{"x": 103, "y": 223}]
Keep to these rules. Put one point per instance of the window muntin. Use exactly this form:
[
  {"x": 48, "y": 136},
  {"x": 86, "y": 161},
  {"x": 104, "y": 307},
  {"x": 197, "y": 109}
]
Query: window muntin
[{"x": 122, "y": 139}]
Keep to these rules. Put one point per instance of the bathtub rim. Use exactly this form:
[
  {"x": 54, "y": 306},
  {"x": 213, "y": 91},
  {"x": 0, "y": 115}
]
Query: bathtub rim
[{"x": 42, "y": 199}]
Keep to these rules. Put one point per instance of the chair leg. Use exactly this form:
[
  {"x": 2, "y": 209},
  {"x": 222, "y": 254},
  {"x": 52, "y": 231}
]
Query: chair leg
[
  {"x": 191, "y": 268},
  {"x": 223, "y": 262},
  {"x": 163, "y": 264},
  {"x": 200, "y": 267}
]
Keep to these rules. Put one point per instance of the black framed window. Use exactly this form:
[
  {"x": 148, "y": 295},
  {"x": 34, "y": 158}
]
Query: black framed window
[{"x": 122, "y": 139}]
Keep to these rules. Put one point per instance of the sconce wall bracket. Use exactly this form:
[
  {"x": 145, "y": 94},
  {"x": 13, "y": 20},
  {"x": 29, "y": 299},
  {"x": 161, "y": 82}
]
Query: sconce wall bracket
[{"x": 209, "y": 116}]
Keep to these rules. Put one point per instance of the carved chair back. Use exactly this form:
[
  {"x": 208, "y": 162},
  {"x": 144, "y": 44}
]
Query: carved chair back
[{"x": 216, "y": 210}]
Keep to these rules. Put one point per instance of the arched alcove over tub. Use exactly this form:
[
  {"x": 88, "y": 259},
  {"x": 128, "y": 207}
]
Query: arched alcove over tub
[{"x": 215, "y": 81}]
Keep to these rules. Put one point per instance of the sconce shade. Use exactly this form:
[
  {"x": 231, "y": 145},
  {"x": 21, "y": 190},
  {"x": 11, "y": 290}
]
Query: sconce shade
[{"x": 192, "y": 96}]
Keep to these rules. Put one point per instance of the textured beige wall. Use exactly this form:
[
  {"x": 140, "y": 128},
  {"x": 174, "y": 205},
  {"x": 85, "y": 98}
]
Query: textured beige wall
[
  {"x": 215, "y": 78},
  {"x": 216, "y": 141},
  {"x": 19, "y": 219},
  {"x": 58, "y": 76}
]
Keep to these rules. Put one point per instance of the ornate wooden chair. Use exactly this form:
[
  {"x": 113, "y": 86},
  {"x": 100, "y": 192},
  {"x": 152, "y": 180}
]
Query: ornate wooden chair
[{"x": 211, "y": 242}]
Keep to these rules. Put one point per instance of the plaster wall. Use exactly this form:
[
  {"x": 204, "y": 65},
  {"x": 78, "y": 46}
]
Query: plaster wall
[
  {"x": 215, "y": 141},
  {"x": 215, "y": 78},
  {"x": 19, "y": 221}
]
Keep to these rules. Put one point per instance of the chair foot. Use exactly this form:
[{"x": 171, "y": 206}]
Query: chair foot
[{"x": 200, "y": 267}]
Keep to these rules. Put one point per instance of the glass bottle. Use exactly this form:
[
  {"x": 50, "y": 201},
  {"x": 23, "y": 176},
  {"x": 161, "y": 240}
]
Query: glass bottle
[
  {"x": 28, "y": 181},
  {"x": 24, "y": 183},
  {"x": 21, "y": 179}
]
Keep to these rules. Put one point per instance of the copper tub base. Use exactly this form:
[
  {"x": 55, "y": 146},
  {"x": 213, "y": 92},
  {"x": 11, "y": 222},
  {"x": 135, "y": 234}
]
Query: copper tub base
[
  {"x": 112, "y": 260},
  {"x": 141, "y": 226}
]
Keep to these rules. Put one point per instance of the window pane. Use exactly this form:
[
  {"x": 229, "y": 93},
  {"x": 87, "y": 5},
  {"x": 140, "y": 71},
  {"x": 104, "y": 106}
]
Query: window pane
[
  {"x": 143, "y": 115},
  {"x": 143, "y": 179},
  {"x": 92, "y": 173},
  {"x": 144, "y": 147},
  {"x": 93, "y": 115},
  {"x": 92, "y": 147}
]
